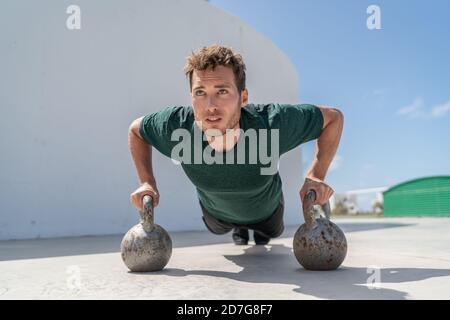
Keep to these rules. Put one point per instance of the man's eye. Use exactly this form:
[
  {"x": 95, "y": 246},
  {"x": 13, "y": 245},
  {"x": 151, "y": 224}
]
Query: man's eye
[
  {"x": 223, "y": 91},
  {"x": 199, "y": 93}
]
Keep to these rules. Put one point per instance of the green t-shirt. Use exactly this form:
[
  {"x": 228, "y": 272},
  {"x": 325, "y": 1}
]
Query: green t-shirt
[{"x": 235, "y": 191}]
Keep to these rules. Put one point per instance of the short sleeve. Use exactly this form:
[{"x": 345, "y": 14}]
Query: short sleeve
[
  {"x": 156, "y": 128},
  {"x": 297, "y": 124}
]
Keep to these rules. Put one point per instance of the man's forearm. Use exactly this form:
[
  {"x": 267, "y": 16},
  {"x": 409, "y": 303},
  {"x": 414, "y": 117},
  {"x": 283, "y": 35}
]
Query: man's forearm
[
  {"x": 326, "y": 147},
  {"x": 142, "y": 157}
]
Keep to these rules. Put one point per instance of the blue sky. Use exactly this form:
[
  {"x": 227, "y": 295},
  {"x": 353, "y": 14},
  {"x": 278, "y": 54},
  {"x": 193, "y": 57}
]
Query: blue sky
[{"x": 393, "y": 84}]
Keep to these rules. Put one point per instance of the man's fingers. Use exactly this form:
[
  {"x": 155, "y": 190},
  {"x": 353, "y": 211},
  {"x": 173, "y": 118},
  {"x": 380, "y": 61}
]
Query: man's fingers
[
  {"x": 325, "y": 195},
  {"x": 153, "y": 194},
  {"x": 138, "y": 197},
  {"x": 136, "y": 203},
  {"x": 322, "y": 190},
  {"x": 155, "y": 197}
]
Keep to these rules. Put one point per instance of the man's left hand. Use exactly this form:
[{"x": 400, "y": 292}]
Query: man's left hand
[{"x": 323, "y": 191}]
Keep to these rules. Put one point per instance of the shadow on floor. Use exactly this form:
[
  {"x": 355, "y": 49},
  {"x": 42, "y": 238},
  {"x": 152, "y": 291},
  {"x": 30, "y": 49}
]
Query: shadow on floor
[
  {"x": 276, "y": 264},
  {"x": 58, "y": 247}
]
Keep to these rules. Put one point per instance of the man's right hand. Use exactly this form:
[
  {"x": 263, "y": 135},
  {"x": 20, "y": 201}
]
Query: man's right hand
[{"x": 146, "y": 188}]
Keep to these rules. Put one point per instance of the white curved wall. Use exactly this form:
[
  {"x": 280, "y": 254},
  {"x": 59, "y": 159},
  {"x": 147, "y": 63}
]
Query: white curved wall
[{"x": 68, "y": 97}]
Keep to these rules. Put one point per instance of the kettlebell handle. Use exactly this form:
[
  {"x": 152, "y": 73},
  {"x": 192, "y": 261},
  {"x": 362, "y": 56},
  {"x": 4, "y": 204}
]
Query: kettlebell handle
[
  {"x": 147, "y": 214},
  {"x": 308, "y": 212}
]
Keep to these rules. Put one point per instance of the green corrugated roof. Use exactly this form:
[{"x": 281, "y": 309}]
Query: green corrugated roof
[{"x": 428, "y": 196}]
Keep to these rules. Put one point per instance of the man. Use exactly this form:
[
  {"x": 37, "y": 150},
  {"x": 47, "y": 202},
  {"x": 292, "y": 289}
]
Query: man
[{"x": 232, "y": 195}]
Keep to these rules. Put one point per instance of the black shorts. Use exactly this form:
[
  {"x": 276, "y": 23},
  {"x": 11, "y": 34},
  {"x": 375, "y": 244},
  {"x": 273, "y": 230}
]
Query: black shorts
[{"x": 271, "y": 227}]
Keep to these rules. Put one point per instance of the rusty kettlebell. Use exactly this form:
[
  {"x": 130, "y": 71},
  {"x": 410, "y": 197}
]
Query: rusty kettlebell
[
  {"x": 319, "y": 244},
  {"x": 147, "y": 246}
]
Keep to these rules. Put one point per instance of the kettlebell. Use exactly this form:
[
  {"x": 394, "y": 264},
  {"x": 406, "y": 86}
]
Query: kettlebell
[
  {"x": 319, "y": 244},
  {"x": 146, "y": 246}
]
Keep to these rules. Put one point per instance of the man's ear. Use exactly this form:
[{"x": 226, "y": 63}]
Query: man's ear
[{"x": 244, "y": 98}]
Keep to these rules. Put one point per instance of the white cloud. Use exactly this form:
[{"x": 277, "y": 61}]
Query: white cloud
[
  {"x": 414, "y": 110},
  {"x": 417, "y": 110},
  {"x": 440, "y": 110}
]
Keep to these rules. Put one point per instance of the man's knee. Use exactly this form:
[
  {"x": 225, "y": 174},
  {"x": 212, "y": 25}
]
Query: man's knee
[
  {"x": 216, "y": 229},
  {"x": 278, "y": 232},
  {"x": 274, "y": 226},
  {"x": 274, "y": 233}
]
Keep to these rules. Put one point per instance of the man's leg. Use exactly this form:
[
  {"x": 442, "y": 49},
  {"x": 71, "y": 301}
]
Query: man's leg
[
  {"x": 270, "y": 228},
  {"x": 216, "y": 226},
  {"x": 240, "y": 236}
]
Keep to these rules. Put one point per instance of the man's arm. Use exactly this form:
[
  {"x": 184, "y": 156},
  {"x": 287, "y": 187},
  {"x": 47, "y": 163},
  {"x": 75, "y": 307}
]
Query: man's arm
[
  {"x": 141, "y": 152},
  {"x": 326, "y": 147},
  {"x": 327, "y": 143}
]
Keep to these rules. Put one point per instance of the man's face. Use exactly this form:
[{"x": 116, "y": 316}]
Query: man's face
[{"x": 216, "y": 100}]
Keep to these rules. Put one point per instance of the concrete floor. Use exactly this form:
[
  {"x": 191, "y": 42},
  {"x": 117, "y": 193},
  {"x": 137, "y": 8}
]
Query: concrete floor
[{"x": 410, "y": 256}]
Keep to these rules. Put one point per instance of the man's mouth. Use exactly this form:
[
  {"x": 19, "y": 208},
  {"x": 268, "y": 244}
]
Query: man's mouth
[{"x": 213, "y": 119}]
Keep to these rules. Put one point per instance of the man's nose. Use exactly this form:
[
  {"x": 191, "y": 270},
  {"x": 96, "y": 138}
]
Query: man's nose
[{"x": 212, "y": 106}]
